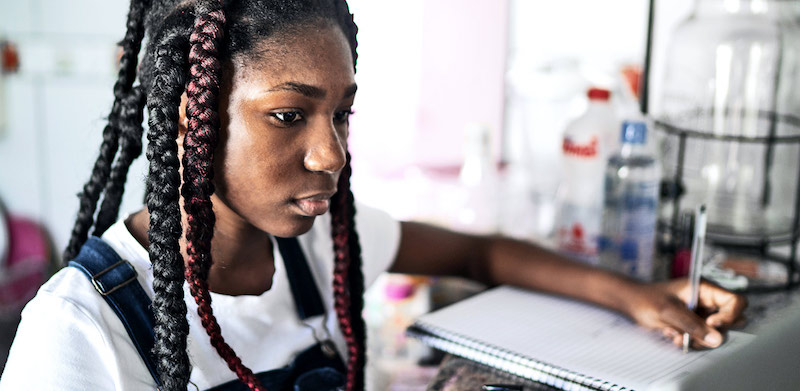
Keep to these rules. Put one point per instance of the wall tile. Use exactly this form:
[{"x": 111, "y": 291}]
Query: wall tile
[
  {"x": 91, "y": 17},
  {"x": 74, "y": 121},
  {"x": 15, "y": 17},
  {"x": 20, "y": 182}
]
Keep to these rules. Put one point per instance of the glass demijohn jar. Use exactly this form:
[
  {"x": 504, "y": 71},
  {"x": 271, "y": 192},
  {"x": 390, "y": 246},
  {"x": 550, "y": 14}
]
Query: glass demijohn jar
[{"x": 727, "y": 120}]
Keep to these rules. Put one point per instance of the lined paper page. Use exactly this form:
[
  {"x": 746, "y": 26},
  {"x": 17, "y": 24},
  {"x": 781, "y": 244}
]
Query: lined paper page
[{"x": 575, "y": 336}]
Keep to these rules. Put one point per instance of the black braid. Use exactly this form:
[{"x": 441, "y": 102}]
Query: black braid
[
  {"x": 169, "y": 63},
  {"x": 355, "y": 274},
  {"x": 131, "y": 45},
  {"x": 130, "y": 126},
  {"x": 355, "y": 279},
  {"x": 91, "y": 190}
]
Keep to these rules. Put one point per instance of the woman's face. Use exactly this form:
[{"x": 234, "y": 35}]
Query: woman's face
[{"x": 284, "y": 114}]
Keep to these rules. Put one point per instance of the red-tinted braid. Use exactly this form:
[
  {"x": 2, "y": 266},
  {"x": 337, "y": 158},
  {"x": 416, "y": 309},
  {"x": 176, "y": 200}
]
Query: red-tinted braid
[
  {"x": 340, "y": 211},
  {"x": 355, "y": 283},
  {"x": 199, "y": 145}
]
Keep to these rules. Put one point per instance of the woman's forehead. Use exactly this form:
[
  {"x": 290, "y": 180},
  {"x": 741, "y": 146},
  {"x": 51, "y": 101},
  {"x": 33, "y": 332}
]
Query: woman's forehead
[{"x": 315, "y": 55}]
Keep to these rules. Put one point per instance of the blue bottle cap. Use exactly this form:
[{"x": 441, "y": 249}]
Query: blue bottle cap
[
  {"x": 604, "y": 243},
  {"x": 628, "y": 250},
  {"x": 634, "y": 132}
]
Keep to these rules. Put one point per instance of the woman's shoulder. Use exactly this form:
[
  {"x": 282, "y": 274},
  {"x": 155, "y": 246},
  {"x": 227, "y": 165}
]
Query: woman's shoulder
[
  {"x": 73, "y": 285},
  {"x": 64, "y": 320},
  {"x": 70, "y": 287},
  {"x": 69, "y": 296},
  {"x": 85, "y": 342}
]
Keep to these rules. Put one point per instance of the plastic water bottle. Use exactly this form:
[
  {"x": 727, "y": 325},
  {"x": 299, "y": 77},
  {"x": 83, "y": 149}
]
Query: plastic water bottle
[
  {"x": 391, "y": 305},
  {"x": 584, "y": 155},
  {"x": 478, "y": 210},
  {"x": 631, "y": 205}
]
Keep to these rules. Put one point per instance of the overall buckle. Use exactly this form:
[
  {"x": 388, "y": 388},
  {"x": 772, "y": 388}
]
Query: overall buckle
[{"x": 98, "y": 285}]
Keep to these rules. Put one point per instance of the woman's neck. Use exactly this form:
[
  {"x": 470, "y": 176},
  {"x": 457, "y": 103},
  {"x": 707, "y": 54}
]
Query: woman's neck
[{"x": 242, "y": 256}]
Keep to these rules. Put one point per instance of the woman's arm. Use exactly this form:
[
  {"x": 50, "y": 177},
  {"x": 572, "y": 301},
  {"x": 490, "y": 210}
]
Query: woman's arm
[{"x": 425, "y": 249}]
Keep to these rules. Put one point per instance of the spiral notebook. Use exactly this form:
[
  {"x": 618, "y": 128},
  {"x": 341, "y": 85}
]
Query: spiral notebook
[{"x": 560, "y": 342}]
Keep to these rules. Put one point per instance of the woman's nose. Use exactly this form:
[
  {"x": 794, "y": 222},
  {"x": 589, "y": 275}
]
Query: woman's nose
[{"x": 326, "y": 151}]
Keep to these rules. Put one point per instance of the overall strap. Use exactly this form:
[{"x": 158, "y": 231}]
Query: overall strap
[
  {"x": 308, "y": 303},
  {"x": 115, "y": 280},
  {"x": 306, "y": 295}
]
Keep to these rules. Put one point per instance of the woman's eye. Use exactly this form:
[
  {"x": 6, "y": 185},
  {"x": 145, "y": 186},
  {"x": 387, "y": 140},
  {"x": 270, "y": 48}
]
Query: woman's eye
[
  {"x": 342, "y": 116},
  {"x": 287, "y": 117}
]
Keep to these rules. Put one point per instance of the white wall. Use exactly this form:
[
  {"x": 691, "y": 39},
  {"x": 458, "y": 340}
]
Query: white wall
[
  {"x": 427, "y": 70},
  {"x": 55, "y": 105}
]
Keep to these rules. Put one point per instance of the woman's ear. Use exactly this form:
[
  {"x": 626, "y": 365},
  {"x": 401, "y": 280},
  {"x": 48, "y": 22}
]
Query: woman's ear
[{"x": 183, "y": 121}]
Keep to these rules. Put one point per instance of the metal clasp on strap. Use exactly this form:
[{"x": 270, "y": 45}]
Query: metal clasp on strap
[{"x": 99, "y": 286}]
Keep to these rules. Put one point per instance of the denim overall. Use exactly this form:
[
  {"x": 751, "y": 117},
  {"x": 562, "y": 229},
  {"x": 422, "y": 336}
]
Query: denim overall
[{"x": 318, "y": 368}]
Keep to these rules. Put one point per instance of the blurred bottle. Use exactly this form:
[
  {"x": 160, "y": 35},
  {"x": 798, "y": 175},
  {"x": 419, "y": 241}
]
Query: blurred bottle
[
  {"x": 584, "y": 154},
  {"x": 681, "y": 260},
  {"x": 541, "y": 97},
  {"x": 630, "y": 207},
  {"x": 479, "y": 182},
  {"x": 391, "y": 307}
]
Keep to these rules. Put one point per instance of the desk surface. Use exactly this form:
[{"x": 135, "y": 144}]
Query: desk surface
[{"x": 458, "y": 374}]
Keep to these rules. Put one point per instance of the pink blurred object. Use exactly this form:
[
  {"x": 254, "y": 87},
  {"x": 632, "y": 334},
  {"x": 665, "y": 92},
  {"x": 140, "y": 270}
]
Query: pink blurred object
[
  {"x": 398, "y": 291},
  {"x": 26, "y": 266}
]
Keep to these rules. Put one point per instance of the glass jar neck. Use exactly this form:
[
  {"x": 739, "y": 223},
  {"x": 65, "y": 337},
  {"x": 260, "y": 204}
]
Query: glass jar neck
[{"x": 771, "y": 8}]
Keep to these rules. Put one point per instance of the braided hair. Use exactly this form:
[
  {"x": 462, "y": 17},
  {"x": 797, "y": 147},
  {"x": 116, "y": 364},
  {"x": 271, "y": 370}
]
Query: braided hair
[
  {"x": 126, "y": 113},
  {"x": 187, "y": 43}
]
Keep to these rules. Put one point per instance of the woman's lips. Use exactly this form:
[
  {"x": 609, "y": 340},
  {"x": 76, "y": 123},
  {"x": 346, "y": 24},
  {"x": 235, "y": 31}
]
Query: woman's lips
[{"x": 313, "y": 206}]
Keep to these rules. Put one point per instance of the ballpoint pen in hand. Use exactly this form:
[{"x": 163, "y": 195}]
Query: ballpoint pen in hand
[{"x": 696, "y": 264}]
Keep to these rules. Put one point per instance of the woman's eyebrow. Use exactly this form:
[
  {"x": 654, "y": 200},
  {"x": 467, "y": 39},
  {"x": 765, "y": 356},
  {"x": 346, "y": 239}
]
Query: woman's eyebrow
[
  {"x": 309, "y": 90},
  {"x": 350, "y": 91},
  {"x": 305, "y": 89}
]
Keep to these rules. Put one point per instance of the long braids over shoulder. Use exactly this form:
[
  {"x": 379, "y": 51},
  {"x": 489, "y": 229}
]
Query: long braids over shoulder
[
  {"x": 198, "y": 172},
  {"x": 188, "y": 41},
  {"x": 348, "y": 279},
  {"x": 166, "y": 82},
  {"x": 125, "y": 118}
]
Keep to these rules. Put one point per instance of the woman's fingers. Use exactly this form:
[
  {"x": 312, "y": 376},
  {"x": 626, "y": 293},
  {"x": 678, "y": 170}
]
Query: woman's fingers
[
  {"x": 678, "y": 316},
  {"x": 672, "y": 334},
  {"x": 669, "y": 332},
  {"x": 664, "y": 306},
  {"x": 726, "y": 308}
]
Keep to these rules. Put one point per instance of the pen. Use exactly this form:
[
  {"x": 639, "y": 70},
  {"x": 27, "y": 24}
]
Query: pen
[
  {"x": 501, "y": 387},
  {"x": 696, "y": 263}
]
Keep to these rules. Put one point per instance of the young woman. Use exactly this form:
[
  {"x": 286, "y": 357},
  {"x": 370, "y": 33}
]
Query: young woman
[{"x": 248, "y": 206}]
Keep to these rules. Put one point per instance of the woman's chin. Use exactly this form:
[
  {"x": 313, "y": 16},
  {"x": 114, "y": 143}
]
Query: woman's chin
[{"x": 296, "y": 227}]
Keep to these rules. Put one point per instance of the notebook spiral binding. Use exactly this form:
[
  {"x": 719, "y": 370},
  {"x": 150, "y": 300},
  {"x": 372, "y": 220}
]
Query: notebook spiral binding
[{"x": 505, "y": 360}]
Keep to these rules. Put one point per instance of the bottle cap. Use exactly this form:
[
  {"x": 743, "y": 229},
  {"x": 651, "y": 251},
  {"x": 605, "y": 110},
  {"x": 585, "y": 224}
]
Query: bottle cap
[
  {"x": 634, "y": 132},
  {"x": 398, "y": 290},
  {"x": 628, "y": 250},
  {"x": 596, "y": 93}
]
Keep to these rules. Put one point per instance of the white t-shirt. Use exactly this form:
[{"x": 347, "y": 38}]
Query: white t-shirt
[{"x": 71, "y": 339}]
